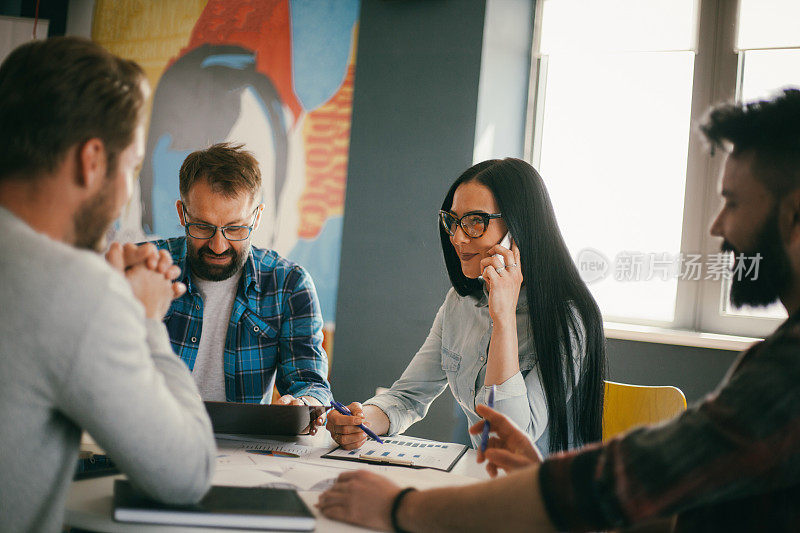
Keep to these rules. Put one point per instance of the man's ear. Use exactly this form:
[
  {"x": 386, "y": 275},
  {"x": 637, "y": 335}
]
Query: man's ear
[
  {"x": 179, "y": 207},
  {"x": 258, "y": 216},
  {"x": 92, "y": 163},
  {"x": 789, "y": 220}
]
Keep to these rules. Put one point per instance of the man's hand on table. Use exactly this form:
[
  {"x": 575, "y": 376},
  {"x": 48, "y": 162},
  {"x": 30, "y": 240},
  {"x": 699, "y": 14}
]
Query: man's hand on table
[{"x": 360, "y": 497}]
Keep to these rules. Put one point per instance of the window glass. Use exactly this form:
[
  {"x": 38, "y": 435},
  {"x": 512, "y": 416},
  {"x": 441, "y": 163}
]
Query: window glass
[
  {"x": 768, "y": 24},
  {"x": 618, "y": 25},
  {"x": 613, "y": 137}
]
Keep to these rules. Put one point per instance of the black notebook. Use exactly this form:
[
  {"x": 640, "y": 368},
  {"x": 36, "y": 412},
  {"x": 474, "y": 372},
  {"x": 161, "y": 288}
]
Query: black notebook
[{"x": 234, "y": 507}]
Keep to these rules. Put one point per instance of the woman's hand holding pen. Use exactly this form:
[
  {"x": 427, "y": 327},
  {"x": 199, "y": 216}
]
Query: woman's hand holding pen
[
  {"x": 345, "y": 431},
  {"x": 503, "y": 281},
  {"x": 510, "y": 449}
]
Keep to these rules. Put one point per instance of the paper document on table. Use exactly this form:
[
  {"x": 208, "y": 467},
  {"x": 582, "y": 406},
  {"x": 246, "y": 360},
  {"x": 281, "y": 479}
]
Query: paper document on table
[
  {"x": 314, "y": 478},
  {"x": 274, "y": 463},
  {"x": 278, "y": 475},
  {"x": 404, "y": 451},
  {"x": 243, "y": 476},
  {"x": 233, "y": 458},
  {"x": 273, "y": 447}
]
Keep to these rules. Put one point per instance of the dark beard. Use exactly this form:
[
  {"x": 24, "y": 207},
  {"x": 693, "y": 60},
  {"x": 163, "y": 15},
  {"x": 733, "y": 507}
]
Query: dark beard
[
  {"x": 200, "y": 268},
  {"x": 94, "y": 218},
  {"x": 774, "y": 269}
]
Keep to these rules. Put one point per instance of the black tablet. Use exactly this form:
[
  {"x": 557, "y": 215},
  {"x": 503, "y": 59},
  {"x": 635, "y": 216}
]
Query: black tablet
[{"x": 256, "y": 419}]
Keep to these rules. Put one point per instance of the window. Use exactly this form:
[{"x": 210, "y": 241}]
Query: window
[{"x": 617, "y": 87}]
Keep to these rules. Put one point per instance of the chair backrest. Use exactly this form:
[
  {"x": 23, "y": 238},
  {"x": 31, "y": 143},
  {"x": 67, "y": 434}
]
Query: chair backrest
[{"x": 627, "y": 406}]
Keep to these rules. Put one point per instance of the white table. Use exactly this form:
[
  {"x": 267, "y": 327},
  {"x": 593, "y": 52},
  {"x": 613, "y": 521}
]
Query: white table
[{"x": 89, "y": 501}]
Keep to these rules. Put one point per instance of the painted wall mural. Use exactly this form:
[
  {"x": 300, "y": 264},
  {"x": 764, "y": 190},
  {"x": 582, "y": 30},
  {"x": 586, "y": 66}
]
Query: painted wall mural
[{"x": 275, "y": 75}]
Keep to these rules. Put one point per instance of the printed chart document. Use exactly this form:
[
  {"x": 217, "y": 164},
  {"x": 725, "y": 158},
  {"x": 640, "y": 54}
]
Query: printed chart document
[{"x": 404, "y": 451}]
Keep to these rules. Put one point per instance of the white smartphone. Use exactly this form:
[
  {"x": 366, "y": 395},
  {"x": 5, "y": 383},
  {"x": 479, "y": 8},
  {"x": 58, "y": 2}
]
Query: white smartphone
[{"x": 506, "y": 243}]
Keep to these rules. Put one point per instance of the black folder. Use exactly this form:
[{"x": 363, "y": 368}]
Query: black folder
[{"x": 231, "y": 507}]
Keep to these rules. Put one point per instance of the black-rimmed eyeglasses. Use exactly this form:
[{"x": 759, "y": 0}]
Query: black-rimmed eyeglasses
[
  {"x": 474, "y": 224},
  {"x": 207, "y": 231}
]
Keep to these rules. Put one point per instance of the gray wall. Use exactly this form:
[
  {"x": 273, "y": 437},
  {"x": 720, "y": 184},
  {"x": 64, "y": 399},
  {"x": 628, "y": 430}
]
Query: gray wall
[
  {"x": 11, "y": 8},
  {"x": 696, "y": 371},
  {"x": 413, "y": 127}
]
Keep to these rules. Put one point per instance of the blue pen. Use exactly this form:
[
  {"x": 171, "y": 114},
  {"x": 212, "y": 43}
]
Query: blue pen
[
  {"x": 345, "y": 411},
  {"x": 486, "y": 429}
]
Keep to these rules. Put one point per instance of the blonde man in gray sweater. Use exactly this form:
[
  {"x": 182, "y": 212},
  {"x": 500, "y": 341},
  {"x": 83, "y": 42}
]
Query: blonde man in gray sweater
[{"x": 82, "y": 346}]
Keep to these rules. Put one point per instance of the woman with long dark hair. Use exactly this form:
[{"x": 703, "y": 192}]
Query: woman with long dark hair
[{"x": 519, "y": 317}]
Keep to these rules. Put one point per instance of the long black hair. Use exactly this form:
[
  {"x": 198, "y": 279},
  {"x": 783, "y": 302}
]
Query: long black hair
[{"x": 559, "y": 302}]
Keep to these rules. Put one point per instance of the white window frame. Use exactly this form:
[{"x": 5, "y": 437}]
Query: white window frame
[{"x": 698, "y": 310}]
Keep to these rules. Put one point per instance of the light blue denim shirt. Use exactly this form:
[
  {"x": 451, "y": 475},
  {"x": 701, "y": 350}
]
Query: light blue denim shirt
[{"x": 455, "y": 354}]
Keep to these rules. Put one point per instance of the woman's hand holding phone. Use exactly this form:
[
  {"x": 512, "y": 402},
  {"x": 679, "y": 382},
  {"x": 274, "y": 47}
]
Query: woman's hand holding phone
[{"x": 503, "y": 277}]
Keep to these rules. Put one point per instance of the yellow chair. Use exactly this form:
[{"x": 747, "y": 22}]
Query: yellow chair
[{"x": 627, "y": 406}]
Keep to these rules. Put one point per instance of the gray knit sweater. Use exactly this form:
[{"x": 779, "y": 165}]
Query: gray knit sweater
[{"x": 76, "y": 353}]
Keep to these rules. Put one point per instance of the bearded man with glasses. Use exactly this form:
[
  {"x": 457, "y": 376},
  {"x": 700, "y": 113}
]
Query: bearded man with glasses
[{"x": 250, "y": 320}]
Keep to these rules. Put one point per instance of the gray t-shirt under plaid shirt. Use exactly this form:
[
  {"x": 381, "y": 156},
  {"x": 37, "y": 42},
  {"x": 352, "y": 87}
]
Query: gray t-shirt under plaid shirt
[{"x": 208, "y": 371}]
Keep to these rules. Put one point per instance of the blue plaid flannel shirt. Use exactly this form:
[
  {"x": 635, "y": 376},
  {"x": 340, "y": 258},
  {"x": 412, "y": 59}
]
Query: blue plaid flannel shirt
[{"x": 274, "y": 332}]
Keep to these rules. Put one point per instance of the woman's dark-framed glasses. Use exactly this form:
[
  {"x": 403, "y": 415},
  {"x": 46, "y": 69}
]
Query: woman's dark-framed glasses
[
  {"x": 473, "y": 224},
  {"x": 207, "y": 231}
]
